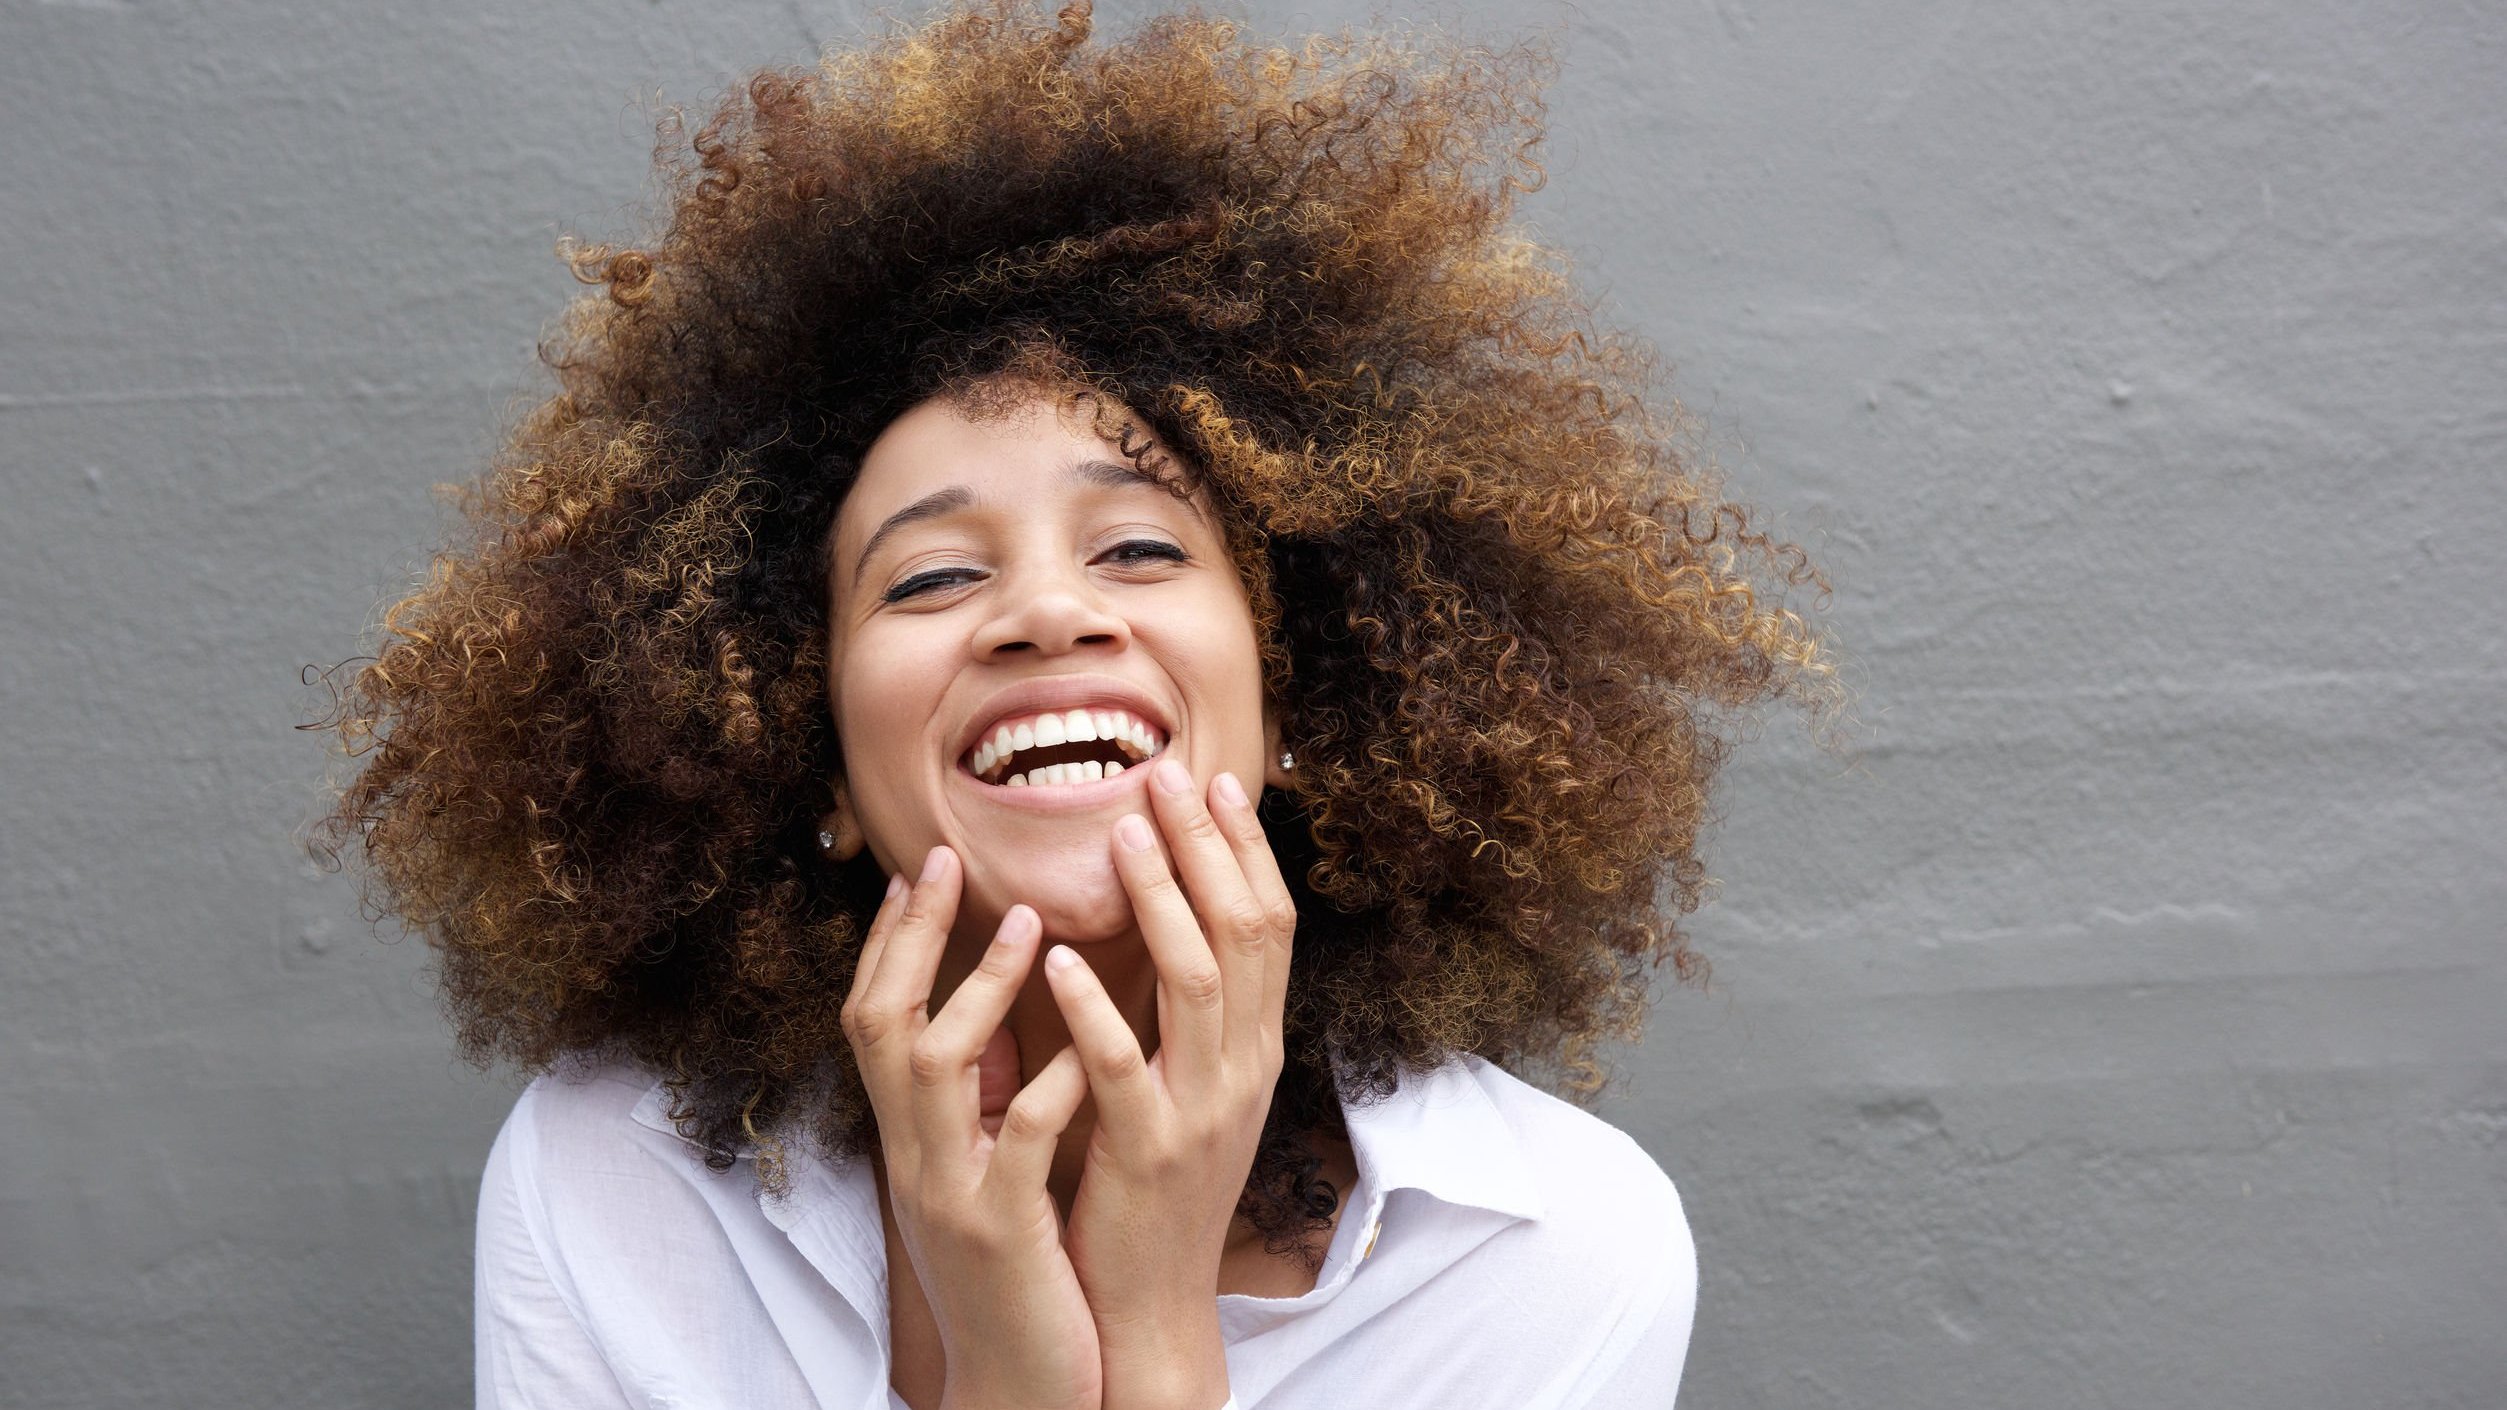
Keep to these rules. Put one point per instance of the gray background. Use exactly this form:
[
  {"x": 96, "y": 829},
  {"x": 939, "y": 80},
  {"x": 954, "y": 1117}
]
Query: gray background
[{"x": 2123, "y": 1028}]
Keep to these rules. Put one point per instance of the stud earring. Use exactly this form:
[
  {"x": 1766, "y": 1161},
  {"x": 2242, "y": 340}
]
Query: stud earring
[
  {"x": 839, "y": 836},
  {"x": 1288, "y": 762}
]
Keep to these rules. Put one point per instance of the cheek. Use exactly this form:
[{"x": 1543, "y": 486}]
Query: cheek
[
  {"x": 1228, "y": 660},
  {"x": 882, "y": 701}
]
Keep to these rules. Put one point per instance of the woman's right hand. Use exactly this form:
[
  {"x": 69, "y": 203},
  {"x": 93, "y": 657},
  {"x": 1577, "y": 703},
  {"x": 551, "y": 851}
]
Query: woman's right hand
[{"x": 971, "y": 1205}]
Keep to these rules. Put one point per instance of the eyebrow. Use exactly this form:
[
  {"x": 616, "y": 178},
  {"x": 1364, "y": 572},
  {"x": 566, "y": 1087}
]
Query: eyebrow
[{"x": 938, "y": 503}]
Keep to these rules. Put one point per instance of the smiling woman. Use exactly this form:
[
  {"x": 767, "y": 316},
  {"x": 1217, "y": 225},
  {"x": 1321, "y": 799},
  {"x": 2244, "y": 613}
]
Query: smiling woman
[{"x": 1088, "y": 650}]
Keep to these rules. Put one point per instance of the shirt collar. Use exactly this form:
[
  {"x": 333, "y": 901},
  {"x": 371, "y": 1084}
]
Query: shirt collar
[{"x": 1440, "y": 1133}]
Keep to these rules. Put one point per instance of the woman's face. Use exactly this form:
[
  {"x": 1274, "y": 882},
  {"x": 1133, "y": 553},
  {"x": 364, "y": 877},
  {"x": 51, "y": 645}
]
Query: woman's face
[{"x": 1017, "y": 577}]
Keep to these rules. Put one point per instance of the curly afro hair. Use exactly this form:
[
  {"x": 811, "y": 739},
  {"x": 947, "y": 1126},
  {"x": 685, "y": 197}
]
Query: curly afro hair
[{"x": 1511, "y": 625}]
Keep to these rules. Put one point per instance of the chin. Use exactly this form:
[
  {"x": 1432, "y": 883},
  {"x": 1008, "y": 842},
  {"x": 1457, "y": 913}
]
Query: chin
[{"x": 1079, "y": 904}]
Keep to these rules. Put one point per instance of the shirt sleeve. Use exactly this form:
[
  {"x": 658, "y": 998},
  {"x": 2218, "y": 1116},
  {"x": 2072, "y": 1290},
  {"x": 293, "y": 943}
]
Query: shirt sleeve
[{"x": 531, "y": 1345}]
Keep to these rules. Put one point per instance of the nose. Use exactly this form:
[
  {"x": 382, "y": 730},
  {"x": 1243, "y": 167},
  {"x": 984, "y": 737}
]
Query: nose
[{"x": 1051, "y": 614}]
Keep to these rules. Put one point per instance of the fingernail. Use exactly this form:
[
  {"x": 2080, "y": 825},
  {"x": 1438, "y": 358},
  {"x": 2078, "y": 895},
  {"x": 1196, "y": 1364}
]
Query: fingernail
[
  {"x": 1171, "y": 777},
  {"x": 1060, "y": 958},
  {"x": 1133, "y": 831},
  {"x": 896, "y": 884},
  {"x": 1013, "y": 929},
  {"x": 1230, "y": 790},
  {"x": 932, "y": 865}
]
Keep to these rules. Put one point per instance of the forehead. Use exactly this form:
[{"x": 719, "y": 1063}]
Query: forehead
[
  {"x": 939, "y": 443},
  {"x": 1011, "y": 450}
]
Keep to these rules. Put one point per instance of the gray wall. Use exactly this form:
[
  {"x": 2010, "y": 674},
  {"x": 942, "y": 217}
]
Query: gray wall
[{"x": 2124, "y": 1028}]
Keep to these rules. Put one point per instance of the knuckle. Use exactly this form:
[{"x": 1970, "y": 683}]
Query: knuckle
[
  {"x": 871, "y": 1026},
  {"x": 1024, "y": 1121},
  {"x": 1126, "y": 1065},
  {"x": 947, "y": 1217},
  {"x": 1280, "y": 917},
  {"x": 984, "y": 1237},
  {"x": 1247, "y": 916},
  {"x": 1169, "y": 1159},
  {"x": 929, "y": 1066},
  {"x": 1201, "y": 985},
  {"x": 1201, "y": 827}
]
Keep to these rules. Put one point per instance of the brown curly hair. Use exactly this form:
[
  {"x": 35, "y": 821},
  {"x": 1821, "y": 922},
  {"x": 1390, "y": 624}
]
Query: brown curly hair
[{"x": 1509, "y": 621}]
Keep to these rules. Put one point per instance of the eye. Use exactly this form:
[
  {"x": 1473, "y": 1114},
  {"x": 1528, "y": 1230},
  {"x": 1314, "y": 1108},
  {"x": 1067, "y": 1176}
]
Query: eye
[
  {"x": 1138, "y": 550},
  {"x": 915, "y": 585}
]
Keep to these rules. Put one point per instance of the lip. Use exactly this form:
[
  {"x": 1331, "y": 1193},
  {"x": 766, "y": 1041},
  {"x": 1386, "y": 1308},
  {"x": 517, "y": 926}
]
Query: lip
[{"x": 1058, "y": 693}]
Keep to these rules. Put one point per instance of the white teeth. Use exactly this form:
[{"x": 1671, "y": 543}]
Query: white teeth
[{"x": 1137, "y": 736}]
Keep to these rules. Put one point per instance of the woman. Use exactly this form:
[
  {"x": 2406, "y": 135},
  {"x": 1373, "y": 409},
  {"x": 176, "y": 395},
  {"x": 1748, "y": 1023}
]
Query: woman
[{"x": 1088, "y": 646}]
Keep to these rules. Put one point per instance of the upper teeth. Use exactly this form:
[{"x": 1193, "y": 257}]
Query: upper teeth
[{"x": 1139, "y": 739}]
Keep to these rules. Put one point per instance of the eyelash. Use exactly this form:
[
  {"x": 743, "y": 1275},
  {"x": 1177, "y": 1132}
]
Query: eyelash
[{"x": 914, "y": 586}]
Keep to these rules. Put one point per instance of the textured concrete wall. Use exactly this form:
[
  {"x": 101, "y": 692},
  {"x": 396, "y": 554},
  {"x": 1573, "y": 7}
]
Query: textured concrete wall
[{"x": 2125, "y": 1029}]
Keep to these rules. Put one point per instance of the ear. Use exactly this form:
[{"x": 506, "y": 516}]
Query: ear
[{"x": 839, "y": 831}]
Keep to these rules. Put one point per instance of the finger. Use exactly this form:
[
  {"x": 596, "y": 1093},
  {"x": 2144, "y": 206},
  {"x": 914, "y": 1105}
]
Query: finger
[
  {"x": 1191, "y": 986},
  {"x": 875, "y": 939},
  {"x": 893, "y": 1007},
  {"x": 1234, "y": 808},
  {"x": 947, "y": 1088},
  {"x": 1231, "y": 916},
  {"x": 996, "y": 1079},
  {"x": 1023, "y": 1154},
  {"x": 1107, "y": 1047}
]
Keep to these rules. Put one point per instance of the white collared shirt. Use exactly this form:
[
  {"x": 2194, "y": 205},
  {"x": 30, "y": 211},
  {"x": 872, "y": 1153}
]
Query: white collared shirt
[{"x": 1500, "y": 1248}]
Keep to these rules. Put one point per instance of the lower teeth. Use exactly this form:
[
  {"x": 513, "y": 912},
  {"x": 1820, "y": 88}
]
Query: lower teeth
[{"x": 1089, "y": 771}]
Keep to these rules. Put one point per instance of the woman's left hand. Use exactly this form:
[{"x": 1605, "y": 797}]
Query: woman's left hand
[{"x": 1176, "y": 1133}]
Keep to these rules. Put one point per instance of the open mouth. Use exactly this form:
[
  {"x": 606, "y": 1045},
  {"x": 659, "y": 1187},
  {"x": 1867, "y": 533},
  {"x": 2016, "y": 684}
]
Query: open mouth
[{"x": 1064, "y": 746}]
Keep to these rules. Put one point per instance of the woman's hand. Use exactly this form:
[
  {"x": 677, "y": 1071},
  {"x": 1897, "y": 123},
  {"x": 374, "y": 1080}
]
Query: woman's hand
[
  {"x": 970, "y": 1204},
  {"x": 1176, "y": 1133}
]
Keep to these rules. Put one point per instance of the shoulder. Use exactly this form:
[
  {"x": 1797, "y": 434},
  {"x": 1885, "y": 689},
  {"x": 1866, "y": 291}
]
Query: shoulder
[
  {"x": 1606, "y": 1208},
  {"x": 585, "y": 1146},
  {"x": 1571, "y": 1240},
  {"x": 578, "y": 1115},
  {"x": 1576, "y": 1160}
]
